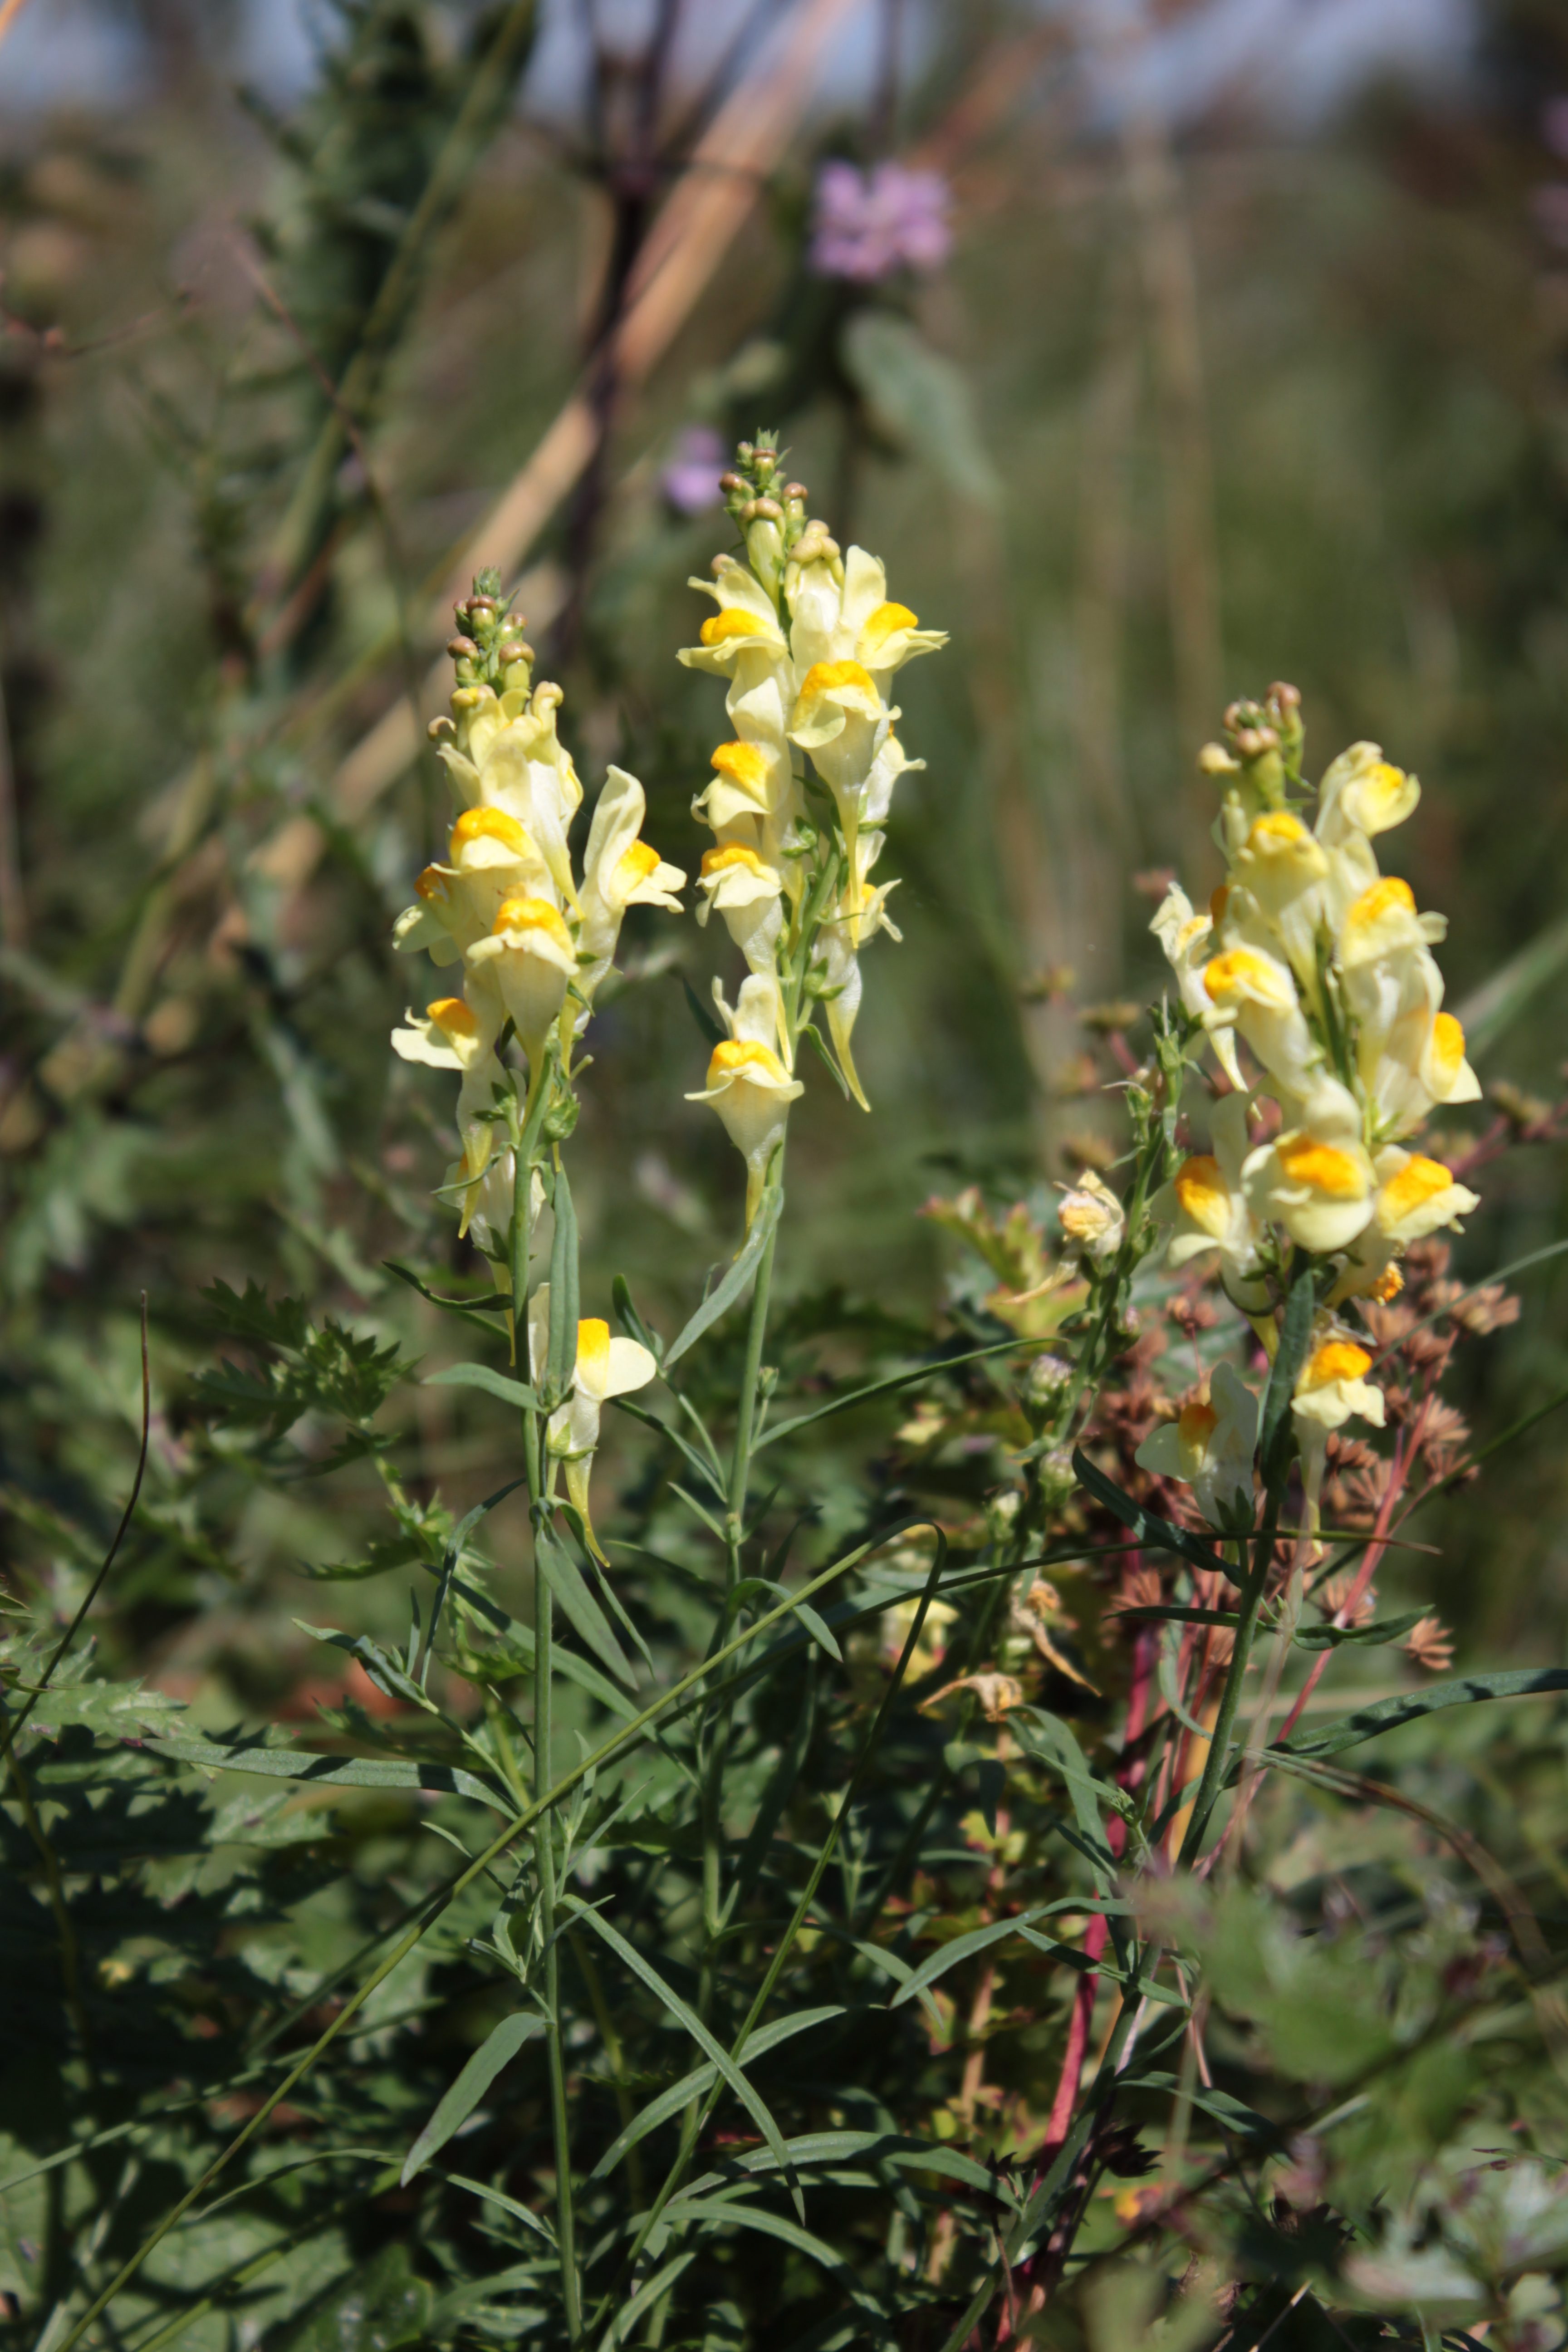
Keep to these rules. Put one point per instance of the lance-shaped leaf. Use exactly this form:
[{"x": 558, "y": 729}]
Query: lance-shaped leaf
[
  {"x": 644, "y": 1971},
  {"x": 484, "y": 1376},
  {"x": 702, "y": 2078},
  {"x": 455, "y": 2106},
  {"x": 724, "y": 1295},
  {"x": 333, "y": 1771},
  {"x": 578, "y": 1605},
  {"x": 1386, "y": 1715},
  {"x": 1146, "y": 1526}
]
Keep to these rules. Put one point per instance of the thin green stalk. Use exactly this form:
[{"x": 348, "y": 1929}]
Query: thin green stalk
[
  {"x": 1230, "y": 1697},
  {"x": 543, "y": 1643},
  {"x": 698, "y": 2113},
  {"x": 734, "y": 1532},
  {"x": 441, "y": 1900}
]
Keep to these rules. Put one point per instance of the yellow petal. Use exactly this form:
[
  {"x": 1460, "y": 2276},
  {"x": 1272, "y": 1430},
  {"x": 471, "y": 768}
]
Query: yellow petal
[
  {"x": 526, "y": 915},
  {"x": 1320, "y": 1166},
  {"x": 745, "y": 764},
  {"x": 884, "y": 623},
  {"x": 733, "y": 622},
  {"x": 739, "y": 1058},
  {"x": 451, "y": 1015},
  {"x": 487, "y": 824},
  {"x": 1336, "y": 1359},
  {"x": 1418, "y": 1181},
  {"x": 1201, "y": 1190}
]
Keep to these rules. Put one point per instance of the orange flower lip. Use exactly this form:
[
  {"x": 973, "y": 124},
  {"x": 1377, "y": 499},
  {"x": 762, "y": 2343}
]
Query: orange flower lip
[
  {"x": 1336, "y": 1359},
  {"x": 1322, "y": 1166},
  {"x": 734, "y": 621},
  {"x": 739, "y": 1058}
]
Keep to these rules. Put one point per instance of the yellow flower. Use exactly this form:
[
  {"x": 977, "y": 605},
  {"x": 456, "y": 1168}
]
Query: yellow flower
[
  {"x": 518, "y": 764},
  {"x": 1206, "y": 1207},
  {"x": 744, "y": 630},
  {"x": 528, "y": 959},
  {"x": 619, "y": 870},
  {"x": 1361, "y": 792},
  {"x": 604, "y": 1368},
  {"x": 1210, "y": 1448},
  {"x": 1417, "y": 1196},
  {"x": 1284, "y": 869},
  {"x": 1318, "y": 1188},
  {"x": 1252, "y": 991},
  {"x": 748, "y": 1085},
  {"x": 746, "y": 891},
  {"x": 452, "y": 1036},
  {"x": 1092, "y": 1217},
  {"x": 1333, "y": 1385}
]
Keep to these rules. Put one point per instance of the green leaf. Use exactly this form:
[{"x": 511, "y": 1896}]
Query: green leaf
[
  {"x": 1146, "y": 1526},
  {"x": 727, "y": 1291},
  {"x": 578, "y": 1605},
  {"x": 531, "y": 2220},
  {"x": 722, "y": 2212},
  {"x": 1387, "y": 1715},
  {"x": 702, "y": 2078},
  {"x": 920, "y": 399},
  {"x": 333, "y": 1771},
  {"x": 484, "y": 1376},
  {"x": 1333, "y": 1637},
  {"x": 644, "y": 1970},
  {"x": 453, "y": 2110},
  {"x": 853, "y": 1397},
  {"x": 625, "y": 2321},
  {"x": 961, "y": 1948},
  {"x": 1218, "y": 2104},
  {"x": 1295, "y": 1336}
]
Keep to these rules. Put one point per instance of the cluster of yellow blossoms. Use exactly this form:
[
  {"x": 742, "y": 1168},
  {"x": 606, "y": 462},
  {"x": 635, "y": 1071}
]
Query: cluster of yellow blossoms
[
  {"x": 1322, "y": 967},
  {"x": 809, "y": 644},
  {"x": 531, "y": 939}
]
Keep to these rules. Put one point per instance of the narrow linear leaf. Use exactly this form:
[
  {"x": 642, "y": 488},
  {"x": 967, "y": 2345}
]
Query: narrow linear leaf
[
  {"x": 659, "y": 2284},
  {"x": 1146, "y": 1526},
  {"x": 894, "y": 1381},
  {"x": 1295, "y": 1333},
  {"x": 332, "y": 1771},
  {"x": 1387, "y": 1715},
  {"x": 644, "y": 1970},
  {"x": 497, "y": 2197},
  {"x": 455, "y": 2106},
  {"x": 723, "y": 1297},
  {"x": 484, "y": 1376},
  {"x": 578, "y": 1605},
  {"x": 702, "y": 2078},
  {"x": 1333, "y": 1637},
  {"x": 961, "y": 1948}
]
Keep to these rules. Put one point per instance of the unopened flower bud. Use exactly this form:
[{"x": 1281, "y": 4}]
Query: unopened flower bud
[
  {"x": 1252, "y": 742},
  {"x": 1214, "y": 759},
  {"x": 768, "y": 509},
  {"x": 462, "y": 649},
  {"x": 1285, "y": 698},
  {"x": 1057, "y": 1478},
  {"x": 1048, "y": 1376},
  {"x": 795, "y": 490},
  {"x": 730, "y": 482},
  {"x": 516, "y": 650}
]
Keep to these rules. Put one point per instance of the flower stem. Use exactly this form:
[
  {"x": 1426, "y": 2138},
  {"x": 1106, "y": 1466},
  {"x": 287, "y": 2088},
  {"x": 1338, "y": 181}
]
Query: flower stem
[
  {"x": 734, "y": 1534},
  {"x": 1230, "y": 1696},
  {"x": 524, "y": 1149}
]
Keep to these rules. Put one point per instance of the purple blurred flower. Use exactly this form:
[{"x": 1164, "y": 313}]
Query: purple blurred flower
[
  {"x": 690, "y": 480},
  {"x": 869, "y": 224},
  {"x": 1555, "y": 124}
]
